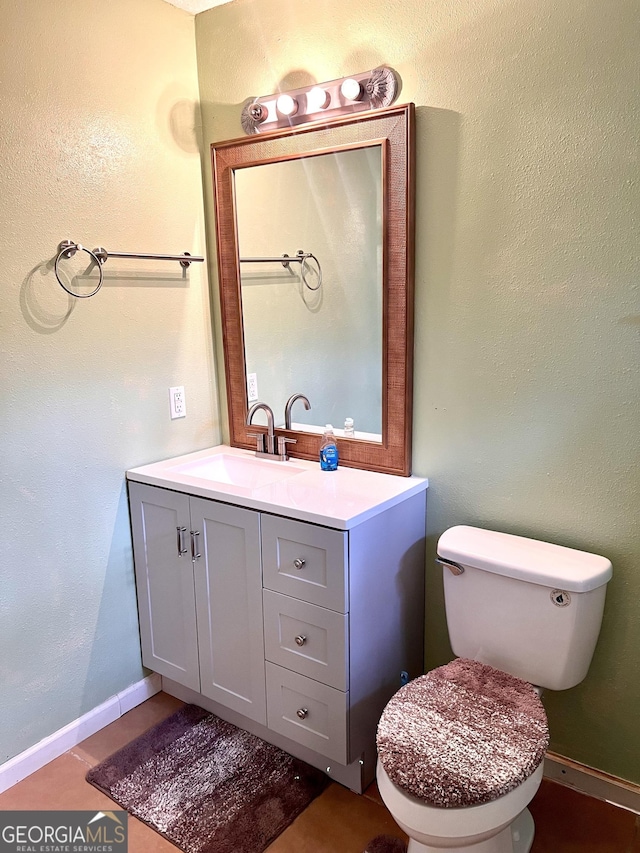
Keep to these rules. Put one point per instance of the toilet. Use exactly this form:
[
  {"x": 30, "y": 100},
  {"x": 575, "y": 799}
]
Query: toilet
[{"x": 460, "y": 749}]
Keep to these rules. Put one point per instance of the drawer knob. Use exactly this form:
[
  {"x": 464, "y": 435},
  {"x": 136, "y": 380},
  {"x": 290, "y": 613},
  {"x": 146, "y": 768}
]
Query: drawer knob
[
  {"x": 301, "y": 640},
  {"x": 302, "y": 713},
  {"x": 299, "y": 563}
]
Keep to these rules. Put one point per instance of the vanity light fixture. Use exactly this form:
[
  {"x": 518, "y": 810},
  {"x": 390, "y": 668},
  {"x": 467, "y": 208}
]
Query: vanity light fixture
[{"x": 370, "y": 90}]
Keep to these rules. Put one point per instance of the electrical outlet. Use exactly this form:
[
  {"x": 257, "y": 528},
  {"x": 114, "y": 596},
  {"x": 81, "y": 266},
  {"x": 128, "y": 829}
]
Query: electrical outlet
[
  {"x": 177, "y": 402},
  {"x": 252, "y": 387}
]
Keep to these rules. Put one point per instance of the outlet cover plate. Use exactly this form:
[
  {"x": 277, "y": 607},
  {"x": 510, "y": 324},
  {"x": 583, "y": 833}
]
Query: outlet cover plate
[
  {"x": 177, "y": 402},
  {"x": 252, "y": 387}
]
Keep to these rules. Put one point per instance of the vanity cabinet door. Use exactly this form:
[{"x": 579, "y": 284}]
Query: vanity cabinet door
[
  {"x": 164, "y": 581},
  {"x": 228, "y": 580}
]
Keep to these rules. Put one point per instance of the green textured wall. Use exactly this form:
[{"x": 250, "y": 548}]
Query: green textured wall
[
  {"x": 97, "y": 144},
  {"x": 527, "y": 315}
]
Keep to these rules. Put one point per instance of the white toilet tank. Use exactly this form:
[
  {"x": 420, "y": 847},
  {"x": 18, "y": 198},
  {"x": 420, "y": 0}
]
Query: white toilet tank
[{"x": 526, "y": 607}]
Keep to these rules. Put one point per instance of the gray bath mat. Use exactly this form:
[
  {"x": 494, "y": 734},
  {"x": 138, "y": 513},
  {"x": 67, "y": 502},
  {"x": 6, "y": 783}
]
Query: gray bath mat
[{"x": 207, "y": 786}]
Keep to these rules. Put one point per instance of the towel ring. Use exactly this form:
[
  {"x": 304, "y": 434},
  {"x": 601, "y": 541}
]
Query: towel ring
[
  {"x": 68, "y": 250},
  {"x": 304, "y": 263},
  {"x": 300, "y": 257}
]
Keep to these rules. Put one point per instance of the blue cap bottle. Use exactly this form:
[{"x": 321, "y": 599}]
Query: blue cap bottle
[{"x": 328, "y": 450}]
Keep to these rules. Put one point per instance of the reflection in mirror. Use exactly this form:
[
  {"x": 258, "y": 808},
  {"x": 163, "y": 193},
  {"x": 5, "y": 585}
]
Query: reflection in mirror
[
  {"x": 343, "y": 192},
  {"x": 302, "y": 333}
]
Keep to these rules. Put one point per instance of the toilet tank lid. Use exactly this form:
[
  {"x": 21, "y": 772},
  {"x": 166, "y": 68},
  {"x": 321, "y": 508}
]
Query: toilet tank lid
[{"x": 524, "y": 559}]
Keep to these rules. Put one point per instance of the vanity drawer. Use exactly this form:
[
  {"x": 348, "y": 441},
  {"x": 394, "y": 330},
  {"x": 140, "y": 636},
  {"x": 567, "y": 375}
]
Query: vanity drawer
[
  {"x": 305, "y": 561},
  {"x": 306, "y": 638},
  {"x": 308, "y": 712}
]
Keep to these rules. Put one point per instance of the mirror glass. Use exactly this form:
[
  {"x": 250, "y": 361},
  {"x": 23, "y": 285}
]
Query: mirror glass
[
  {"x": 314, "y": 329},
  {"x": 335, "y": 322}
]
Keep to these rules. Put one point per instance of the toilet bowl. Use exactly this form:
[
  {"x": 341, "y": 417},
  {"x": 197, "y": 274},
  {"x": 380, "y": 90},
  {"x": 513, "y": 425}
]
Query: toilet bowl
[
  {"x": 460, "y": 749},
  {"x": 504, "y": 825}
]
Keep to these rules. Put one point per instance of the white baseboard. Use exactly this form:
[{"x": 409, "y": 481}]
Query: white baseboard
[
  {"x": 592, "y": 782},
  {"x": 41, "y": 753}
]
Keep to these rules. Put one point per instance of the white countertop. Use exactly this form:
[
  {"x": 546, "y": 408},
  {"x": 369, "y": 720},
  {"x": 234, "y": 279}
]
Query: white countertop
[{"x": 339, "y": 499}]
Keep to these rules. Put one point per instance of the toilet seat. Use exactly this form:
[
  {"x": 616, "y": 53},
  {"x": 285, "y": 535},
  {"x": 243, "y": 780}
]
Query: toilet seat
[{"x": 462, "y": 735}]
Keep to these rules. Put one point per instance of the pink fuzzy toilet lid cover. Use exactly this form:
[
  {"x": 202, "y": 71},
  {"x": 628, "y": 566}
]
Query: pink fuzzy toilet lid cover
[{"x": 462, "y": 735}]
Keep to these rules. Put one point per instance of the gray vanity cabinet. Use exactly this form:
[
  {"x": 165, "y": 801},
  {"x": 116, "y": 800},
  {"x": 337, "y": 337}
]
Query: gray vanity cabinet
[
  {"x": 296, "y": 630},
  {"x": 198, "y": 577}
]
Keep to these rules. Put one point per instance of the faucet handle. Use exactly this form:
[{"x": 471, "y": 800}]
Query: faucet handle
[
  {"x": 259, "y": 437},
  {"x": 282, "y": 446}
]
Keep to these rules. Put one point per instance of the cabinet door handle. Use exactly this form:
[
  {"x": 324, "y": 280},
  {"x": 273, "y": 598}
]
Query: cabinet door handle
[
  {"x": 302, "y": 713},
  {"x": 195, "y": 553},
  {"x": 301, "y": 640},
  {"x": 181, "y": 549},
  {"x": 299, "y": 562}
]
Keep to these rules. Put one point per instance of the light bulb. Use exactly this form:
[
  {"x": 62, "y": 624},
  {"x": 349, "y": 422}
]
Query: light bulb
[
  {"x": 286, "y": 105},
  {"x": 317, "y": 99},
  {"x": 351, "y": 89}
]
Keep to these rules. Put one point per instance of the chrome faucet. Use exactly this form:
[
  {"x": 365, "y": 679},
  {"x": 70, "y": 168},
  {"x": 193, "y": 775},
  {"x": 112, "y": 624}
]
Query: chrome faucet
[
  {"x": 287, "y": 408},
  {"x": 269, "y": 445}
]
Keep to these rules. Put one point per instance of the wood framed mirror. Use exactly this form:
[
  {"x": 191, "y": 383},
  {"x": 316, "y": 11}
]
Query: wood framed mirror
[{"x": 336, "y": 326}]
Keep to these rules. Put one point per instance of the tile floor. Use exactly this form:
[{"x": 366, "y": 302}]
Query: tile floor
[{"x": 336, "y": 822}]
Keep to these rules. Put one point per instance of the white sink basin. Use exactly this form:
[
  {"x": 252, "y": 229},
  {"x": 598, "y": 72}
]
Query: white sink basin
[{"x": 247, "y": 473}]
